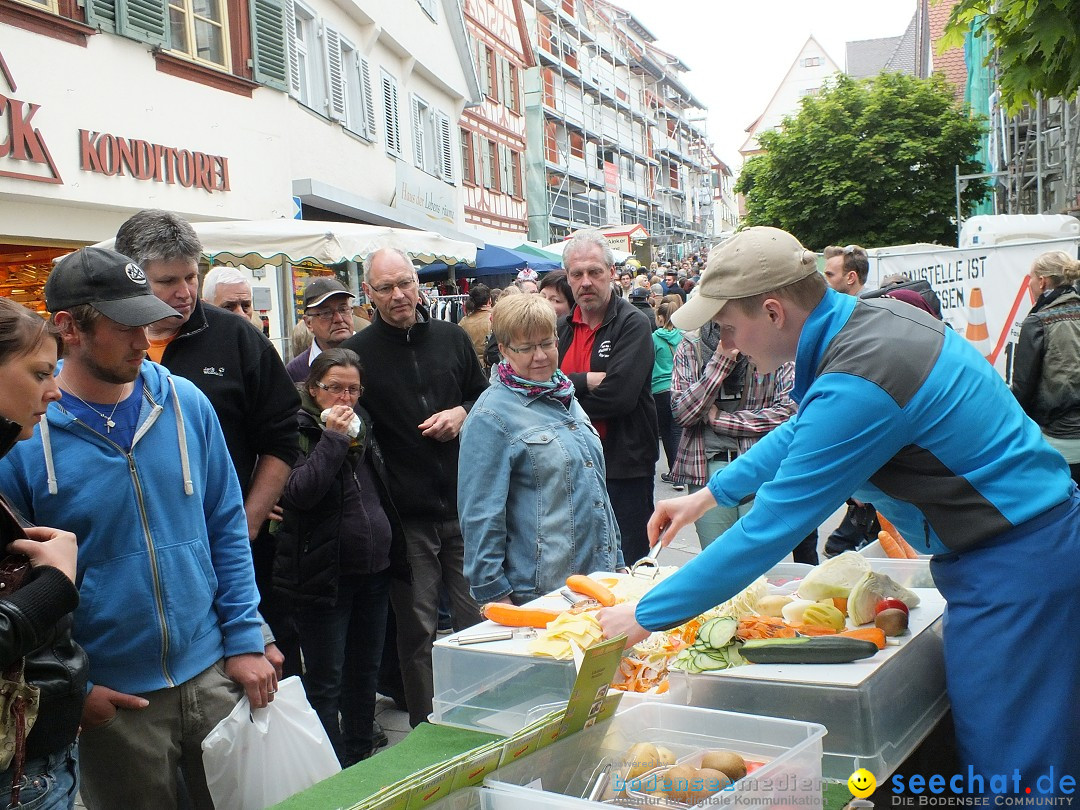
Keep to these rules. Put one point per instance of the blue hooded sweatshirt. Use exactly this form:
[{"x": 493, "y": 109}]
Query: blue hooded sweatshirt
[{"x": 165, "y": 579}]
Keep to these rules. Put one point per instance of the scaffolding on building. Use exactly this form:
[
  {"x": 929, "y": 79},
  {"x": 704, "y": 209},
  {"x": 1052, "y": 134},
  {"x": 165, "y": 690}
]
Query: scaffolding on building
[{"x": 613, "y": 135}]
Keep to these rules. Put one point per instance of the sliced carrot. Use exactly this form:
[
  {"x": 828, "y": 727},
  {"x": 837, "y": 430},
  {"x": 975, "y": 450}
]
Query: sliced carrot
[
  {"x": 874, "y": 634},
  {"x": 517, "y": 615},
  {"x": 579, "y": 583},
  {"x": 757, "y": 627}
]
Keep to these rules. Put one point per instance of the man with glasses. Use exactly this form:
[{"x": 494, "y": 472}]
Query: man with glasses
[
  {"x": 328, "y": 314},
  {"x": 606, "y": 349},
  {"x": 421, "y": 377},
  {"x": 242, "y": 375},
  {"x": 846, "y": 268}
]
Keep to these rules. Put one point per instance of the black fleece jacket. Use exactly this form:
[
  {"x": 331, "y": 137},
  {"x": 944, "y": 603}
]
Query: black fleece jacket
[
  {"x": 35, "y": 622},
  {"x": 245, "y": 380},
  {"x": 409, "y": 374},
  {"x": 623, "y": 350}
]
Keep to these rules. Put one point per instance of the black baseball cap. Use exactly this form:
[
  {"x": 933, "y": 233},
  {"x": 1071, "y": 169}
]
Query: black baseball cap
[
  {"x": 108, "y": 281},
  {"x": 321, "y": 288}
]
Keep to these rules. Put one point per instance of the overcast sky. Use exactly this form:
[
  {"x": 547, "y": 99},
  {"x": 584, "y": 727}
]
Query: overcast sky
[{"x": 738, "y": 51}]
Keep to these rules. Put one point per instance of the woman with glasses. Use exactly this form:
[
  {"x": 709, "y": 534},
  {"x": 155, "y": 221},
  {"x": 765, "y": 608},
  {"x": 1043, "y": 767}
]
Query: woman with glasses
[
  {"x": 337, "y": 547},
  {"x": 541, "y": 512}
]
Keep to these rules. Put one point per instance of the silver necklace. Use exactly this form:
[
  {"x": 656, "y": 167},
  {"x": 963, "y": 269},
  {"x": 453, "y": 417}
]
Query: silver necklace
[{"x": 109, "y": 423}]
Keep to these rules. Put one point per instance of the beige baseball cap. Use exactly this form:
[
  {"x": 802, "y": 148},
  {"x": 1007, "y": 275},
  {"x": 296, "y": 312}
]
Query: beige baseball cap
[{"x": 754, "y": 261}]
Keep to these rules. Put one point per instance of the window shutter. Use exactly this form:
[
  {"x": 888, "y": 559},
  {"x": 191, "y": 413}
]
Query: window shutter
[
  {"x": 269, "y": 47},
  {"x": 481, "y": 58},
  {"x": 335, "y": 80},
  {"x": 515, "y": 175},
  {"x": 504, "y": 81},
  {"x": 487, "y": 159},
  {"x": 418, "y": 132},
  {"x": 430, "y": 9},
  {"x": 445, "y": 147},
  {"x": 364, "y": 69},
  {"x": 144, "y": 20},
  {"x": 390, "y": 115},
  {"x": 101, "y": 14},
  {"x": 478, "y": 160},
  {"x": 506, "y": 167},
  {"x": 290, "y": 39}
]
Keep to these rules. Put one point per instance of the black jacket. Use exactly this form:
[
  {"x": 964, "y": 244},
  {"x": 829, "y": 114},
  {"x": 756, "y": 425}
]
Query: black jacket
[
  {"x": 322, "y": 497},
  {"x": 242, "y": 375},
  {"x": 1045, "y": 380},
  {"x": 35, "y": 622},
  {"x": 409, "y": 374},
  {"x": 623, "y": 349}
]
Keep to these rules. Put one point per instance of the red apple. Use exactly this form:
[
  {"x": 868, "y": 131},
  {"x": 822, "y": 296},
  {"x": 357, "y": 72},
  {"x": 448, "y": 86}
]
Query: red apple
[{"x": 890, "y": 604}]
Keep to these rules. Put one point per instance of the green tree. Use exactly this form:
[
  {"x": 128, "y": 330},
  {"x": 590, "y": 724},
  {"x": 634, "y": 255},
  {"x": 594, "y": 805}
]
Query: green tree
[
  {"x": 869, "y": 161},
  {"x": 1036, "y": 44}
]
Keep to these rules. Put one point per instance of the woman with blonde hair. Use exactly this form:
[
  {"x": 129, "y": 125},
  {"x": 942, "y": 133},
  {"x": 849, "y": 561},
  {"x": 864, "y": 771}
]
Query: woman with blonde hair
[
  {"x": 542, "y": 511},
  {"x": 1046, "y": 379}
]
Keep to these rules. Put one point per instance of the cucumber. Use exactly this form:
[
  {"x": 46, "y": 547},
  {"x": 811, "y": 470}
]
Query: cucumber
[
  {"x": 704, "y": 663},
  {"x": 807, "y": 650},
  {"x": 719, "y": 632}
]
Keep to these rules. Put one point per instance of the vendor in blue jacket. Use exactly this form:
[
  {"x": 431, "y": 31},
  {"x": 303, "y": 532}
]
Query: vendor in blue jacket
[
  {"x": 133, "y": 461},
  {"x": 896, "y": 409}
]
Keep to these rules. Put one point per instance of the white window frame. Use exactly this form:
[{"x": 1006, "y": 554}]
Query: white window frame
[
  {"x": 307, "y": 69},
  {"x": 430, "y": 8},
  {"x": 188, "y": 10},
  {"x": 359, "y": 114}
]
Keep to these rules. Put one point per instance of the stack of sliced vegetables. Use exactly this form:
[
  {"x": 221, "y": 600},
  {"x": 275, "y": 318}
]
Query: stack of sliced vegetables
[{"x": 716, "y": 647}]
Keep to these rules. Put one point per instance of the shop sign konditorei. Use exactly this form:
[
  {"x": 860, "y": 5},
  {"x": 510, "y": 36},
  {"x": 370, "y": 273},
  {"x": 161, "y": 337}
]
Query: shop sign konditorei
[{"x": 24, "y": 154}]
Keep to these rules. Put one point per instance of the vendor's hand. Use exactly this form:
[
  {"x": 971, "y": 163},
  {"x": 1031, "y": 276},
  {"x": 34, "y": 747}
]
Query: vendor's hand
[
  {"x": 672, "y": 515},
  {"x": 48, "y": 547},
  {"x": 444, "y": 426},
  {"x": 103, "y": 703},
  {"x": 339, "y": 418},
  {"x": 619, "y": 620},
  {"x": 594, "y": 378},
  {"x": 276, "y": 513},
  {"x": 253, "y": 672}
]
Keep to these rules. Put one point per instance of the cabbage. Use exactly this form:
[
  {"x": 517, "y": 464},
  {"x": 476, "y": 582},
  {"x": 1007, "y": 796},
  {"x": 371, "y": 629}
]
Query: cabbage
[
  {"x": 834, "y": 577},
  {"x": 870, "y": 590}
]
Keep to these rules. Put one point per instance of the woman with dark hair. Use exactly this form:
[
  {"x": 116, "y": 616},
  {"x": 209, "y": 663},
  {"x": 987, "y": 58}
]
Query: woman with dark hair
[
  {"x": 337, "y": 547},
  {"x": 666, "y": 338},
  {"x": 477, "y": 321},
  {"x": 35, "y": 620},
  {"x": 556, "y": 289},
  {"x": 1045, "y": 379}
]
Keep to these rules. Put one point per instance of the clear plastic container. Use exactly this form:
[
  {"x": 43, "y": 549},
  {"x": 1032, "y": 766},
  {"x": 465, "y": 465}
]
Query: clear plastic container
[{"x": 565, "y": 772}]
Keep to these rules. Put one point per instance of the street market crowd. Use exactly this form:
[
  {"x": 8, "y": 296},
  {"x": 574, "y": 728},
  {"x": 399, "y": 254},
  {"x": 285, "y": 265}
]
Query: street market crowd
[{"x": 203, "y": 519}]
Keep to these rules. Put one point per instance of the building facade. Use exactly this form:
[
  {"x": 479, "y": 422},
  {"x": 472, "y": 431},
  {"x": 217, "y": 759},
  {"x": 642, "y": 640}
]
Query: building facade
[
  {"x": 614, "y": 136},
  {"x": 219, "y": 110}
]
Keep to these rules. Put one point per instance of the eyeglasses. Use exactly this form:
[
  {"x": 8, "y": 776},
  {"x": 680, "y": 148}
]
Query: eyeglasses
[
  {"x": 405, "y": 286},
  {"x": 546, "y": 345},
  {"x": 336, "y": 390},
  {"x": 330, "y": 314}
]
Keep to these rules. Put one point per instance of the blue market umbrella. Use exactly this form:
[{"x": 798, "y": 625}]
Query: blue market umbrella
[{"x": 491, "y": 261}]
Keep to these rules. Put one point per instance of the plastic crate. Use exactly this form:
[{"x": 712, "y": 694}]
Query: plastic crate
[{"x": 561, "y": 774}]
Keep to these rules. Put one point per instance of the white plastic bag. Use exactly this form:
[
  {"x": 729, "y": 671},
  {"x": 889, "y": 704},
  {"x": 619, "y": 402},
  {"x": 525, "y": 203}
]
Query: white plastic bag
[{"x": 256, "y": 759}]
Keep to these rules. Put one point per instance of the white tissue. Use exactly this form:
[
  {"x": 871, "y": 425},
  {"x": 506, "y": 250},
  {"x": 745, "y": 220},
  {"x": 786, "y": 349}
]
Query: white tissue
[{"x": 354, "y": 426}]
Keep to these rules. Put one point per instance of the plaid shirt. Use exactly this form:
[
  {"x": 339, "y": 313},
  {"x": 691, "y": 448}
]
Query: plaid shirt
[{"x": 765, "y": 404}]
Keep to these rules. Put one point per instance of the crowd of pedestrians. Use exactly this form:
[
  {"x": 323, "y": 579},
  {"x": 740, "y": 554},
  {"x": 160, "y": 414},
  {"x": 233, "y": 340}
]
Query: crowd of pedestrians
[{"x": 240, "y": 520}]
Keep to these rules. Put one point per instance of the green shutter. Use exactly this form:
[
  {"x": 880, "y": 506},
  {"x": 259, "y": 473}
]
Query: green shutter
[
  {"x": 270, "y": 50},
  {"x": 144, "y": 20},
  {"x": 101, "y": 14}
]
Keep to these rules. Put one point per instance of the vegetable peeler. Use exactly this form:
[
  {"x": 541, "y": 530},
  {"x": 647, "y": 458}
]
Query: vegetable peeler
[{"x": 647, "y": 566}]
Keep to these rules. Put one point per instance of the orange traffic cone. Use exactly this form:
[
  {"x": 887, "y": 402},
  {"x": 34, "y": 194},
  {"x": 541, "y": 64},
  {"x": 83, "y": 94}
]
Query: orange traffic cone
[{"x": 977, "y": 332}]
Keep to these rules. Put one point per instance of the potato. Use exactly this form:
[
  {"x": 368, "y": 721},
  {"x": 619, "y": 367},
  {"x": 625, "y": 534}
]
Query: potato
[
  {"x": 677, "y": 780},
  {"x": 641, "y": 758},
  {"x": 712, "y": 781},
  {"x": 732, "y": 765},
  {"x": 773, "y": 605},
  {"x": 665, "y": 755},
  {"x": 892, "y": 622}
]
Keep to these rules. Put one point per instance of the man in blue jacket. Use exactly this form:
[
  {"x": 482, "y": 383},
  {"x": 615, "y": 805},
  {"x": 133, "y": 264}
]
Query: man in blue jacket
[
  {"x": 901, "y": 411},
  {"x": 133, "y": 460}
]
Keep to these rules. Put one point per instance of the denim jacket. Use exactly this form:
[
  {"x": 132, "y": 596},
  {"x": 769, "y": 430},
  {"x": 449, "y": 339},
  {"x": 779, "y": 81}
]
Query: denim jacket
[{"x": 539, "y": 511}]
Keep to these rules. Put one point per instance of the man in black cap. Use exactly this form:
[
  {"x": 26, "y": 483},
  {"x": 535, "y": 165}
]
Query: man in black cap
[
  {"x": 328, "y": 314},
  {"x": 241, "y": 374},
  {"x": 130, "y": 460}
]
